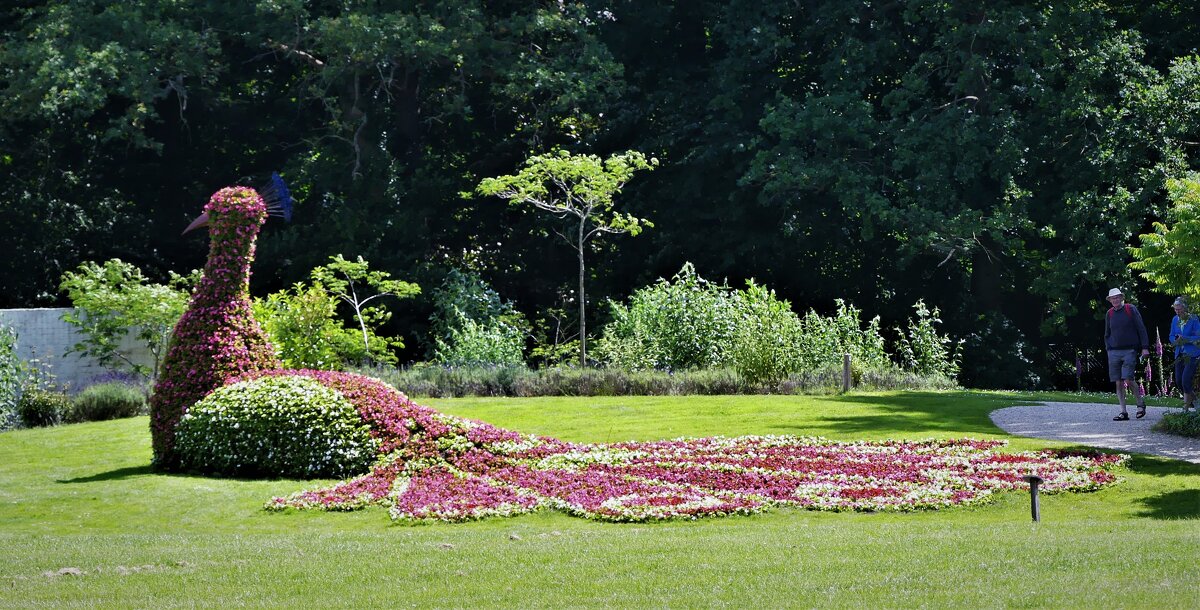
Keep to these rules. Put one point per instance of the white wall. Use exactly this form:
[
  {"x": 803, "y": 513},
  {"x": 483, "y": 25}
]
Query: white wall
[{"x": 42, "y": 335}]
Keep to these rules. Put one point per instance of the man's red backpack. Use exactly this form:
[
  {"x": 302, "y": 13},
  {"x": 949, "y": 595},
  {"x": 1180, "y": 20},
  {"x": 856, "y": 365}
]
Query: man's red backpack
[{"x": 1128, "y": 310}]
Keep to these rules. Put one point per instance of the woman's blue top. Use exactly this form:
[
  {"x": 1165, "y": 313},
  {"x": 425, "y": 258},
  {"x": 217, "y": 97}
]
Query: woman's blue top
[{"x": 1190, "y": 333}]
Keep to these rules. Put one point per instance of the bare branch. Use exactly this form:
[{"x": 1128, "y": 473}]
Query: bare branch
[
  {"x": 988, "y": 253},
  {"x": 288, "y": 50},
  {"x": 965, "y": 98},
  {"x": 948, "y": 257}
]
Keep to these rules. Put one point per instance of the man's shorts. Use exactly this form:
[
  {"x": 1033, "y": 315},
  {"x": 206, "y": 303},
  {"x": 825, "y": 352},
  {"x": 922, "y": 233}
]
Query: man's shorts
[{"x": 1121, "y": 363}]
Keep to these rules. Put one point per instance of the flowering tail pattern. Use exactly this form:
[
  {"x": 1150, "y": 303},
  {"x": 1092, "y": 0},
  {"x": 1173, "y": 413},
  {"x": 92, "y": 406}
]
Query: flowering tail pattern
[{"x": 437, "y": 467}]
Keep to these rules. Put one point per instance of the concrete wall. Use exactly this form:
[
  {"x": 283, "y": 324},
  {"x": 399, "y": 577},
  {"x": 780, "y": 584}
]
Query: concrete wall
[{"x": 42, "y": 335}]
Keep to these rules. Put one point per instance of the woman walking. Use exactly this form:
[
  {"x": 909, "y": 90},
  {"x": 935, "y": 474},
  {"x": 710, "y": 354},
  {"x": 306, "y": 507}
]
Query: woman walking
[{"x": 1185, "y": 337}]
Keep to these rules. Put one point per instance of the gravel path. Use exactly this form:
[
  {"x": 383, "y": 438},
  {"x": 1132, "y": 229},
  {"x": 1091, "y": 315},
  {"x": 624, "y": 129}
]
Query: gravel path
[{"x": 1092, "y": 424}]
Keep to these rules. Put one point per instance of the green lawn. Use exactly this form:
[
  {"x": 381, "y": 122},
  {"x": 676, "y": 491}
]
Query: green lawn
[{"x": 84, "y": 497}]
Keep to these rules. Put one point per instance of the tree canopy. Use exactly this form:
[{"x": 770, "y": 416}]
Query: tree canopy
[{"x": 995, "y": 159}]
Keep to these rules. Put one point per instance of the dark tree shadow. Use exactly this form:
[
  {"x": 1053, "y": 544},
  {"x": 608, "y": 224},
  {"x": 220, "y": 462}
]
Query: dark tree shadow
[
  {"x": 1181, "y": 504},
  {"x": 1159, "y": 466},
  {"x": 113, "y": 475},
  {"x": 132, "y": 472},
  {"x": 913, "y": 412}
]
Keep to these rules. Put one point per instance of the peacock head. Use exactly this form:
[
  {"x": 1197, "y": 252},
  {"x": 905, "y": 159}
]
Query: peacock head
[{"x": 241, "y": 206}]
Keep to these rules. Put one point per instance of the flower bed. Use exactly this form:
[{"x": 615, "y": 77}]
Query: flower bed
[{"x": 448, "y": 468}]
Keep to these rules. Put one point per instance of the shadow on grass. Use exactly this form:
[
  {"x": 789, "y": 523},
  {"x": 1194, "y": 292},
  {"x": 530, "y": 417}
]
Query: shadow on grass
[
  {"x": 1160, "y": 466},
  {"x": 1179, "y": 504},
  {"x": 914, "y": 413},
  {"x": 1152, "y": 465},
  {"x": 113, "y": 475},
  {"x": 133, "y": 472}
]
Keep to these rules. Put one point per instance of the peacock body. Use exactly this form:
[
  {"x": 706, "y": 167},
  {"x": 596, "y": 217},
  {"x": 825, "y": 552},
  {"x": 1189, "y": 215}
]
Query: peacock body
[{"x": 217, "y": 338}]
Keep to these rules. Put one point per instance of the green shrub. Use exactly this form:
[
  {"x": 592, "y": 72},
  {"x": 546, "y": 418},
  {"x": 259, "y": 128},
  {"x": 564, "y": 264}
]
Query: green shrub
[
  {"x": 768, "y": 337},
  {"x": 823, "y": 341},
  {"x": 472, "y": 326},
  {"x": 1182, "y": 424},
  {"x": 104, "y": 401},
  {"x": 689, "y": 323},
  {"x": 472, "y": 343},
  {"x": 42, "y": 407},
  {"x": 685, "y": 323},
  {"x": 922, "y": 350},
  {"x": 275, "y": 426},
  {"x": 303, "y": 326},
  {"x": 10, "y": 377}
]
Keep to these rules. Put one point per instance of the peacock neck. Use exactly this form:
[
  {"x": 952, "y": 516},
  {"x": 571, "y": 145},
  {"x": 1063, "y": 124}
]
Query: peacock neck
[{"x": 227, "y": 272}]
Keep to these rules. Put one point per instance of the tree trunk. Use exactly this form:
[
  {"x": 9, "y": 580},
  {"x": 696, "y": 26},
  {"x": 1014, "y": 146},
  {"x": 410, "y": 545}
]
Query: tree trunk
[
  {"x": 362, "y": 325},
  {"x": 582, "y": 302},
  {"x": 986, "y": 280}
]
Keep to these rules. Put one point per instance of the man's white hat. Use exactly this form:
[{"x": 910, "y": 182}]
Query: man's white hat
[{"x": 1115, "y": 292}]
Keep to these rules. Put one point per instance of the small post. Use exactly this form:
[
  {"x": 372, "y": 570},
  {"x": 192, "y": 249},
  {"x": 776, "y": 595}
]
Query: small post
[
  {"x": 845, "y": 372},
  {"x": 1034, "y": 481}
]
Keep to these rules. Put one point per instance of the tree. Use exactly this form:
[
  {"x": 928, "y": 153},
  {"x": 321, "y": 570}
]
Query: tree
[
  {"x": 1169, "y": 254},
  {"x": 578, "y": 189},
  {"x": 117, "y": 119},
  {"x": 114, "y": 299},
  {"x": 303, "y": 326},
  {"x": 353, "y": 282}
]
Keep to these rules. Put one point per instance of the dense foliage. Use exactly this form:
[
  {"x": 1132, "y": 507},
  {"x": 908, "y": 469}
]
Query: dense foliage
[
  {"x": 1181, "y": 423},
  {"x": 1168, "y": 255},
  {"x": 10, "y": 377},
  {"x": 993, "y": 159},
  {"x": 38, "y": 407},
  {"x": 114, "y": 299},
  {"x": 684, "y": 323},
  {"x": 303, "y": 323},
  {"x": 472, "y": 325},
  {"x": 285, "y": 426},
  {"x": 472, "y": 343},
  {"x": 691, "y": 323},
  {"x": 922, "y": 350}
]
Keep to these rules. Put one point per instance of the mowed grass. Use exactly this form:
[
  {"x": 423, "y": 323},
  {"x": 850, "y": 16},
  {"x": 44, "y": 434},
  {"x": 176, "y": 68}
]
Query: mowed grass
[{"x": 84, "y": 497}]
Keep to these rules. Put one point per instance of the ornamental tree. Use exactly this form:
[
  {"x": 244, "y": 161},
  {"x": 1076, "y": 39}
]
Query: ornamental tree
[
  {"x": 579, "y": 190},
  {"x": 115, "y": 299},
  {"x": 354, "y": 283},
  {"x": 1169, "y": 254}
]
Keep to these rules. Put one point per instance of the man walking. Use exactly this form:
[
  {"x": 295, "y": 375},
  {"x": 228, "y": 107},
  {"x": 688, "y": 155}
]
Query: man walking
[{"x": 1124, "y": 334}]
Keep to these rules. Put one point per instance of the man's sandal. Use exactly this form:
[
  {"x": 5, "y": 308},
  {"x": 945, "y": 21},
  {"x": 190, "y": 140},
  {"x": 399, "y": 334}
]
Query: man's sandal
[
  {"x": 1141, "y": 412},
  {"x": 1122, "y": 417}
]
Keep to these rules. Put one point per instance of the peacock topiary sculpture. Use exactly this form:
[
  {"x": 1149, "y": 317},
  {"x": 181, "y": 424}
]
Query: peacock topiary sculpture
[
  {"x": 253, "y": 418},
  {"x": 217, "y": 338}
]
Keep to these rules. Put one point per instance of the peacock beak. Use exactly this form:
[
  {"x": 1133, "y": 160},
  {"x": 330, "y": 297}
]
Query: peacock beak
[{"x": 201, "y": 221}]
